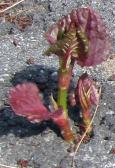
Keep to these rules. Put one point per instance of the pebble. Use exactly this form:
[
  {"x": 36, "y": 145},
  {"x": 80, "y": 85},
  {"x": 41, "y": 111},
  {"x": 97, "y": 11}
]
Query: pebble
[
  {"x": 104, "y": 104},
  {"x": 5, "y": 75},
  {"x": 2, "y": 80},
  {"x": 54, "y": 76},
  {"x": 110, "y": 112},
  {"x": 113, "y": 12}
]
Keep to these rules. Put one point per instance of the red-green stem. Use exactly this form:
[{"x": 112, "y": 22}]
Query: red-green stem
[
  {"x": 63, "y": 85},
  {"x": 65, "y": 128}
]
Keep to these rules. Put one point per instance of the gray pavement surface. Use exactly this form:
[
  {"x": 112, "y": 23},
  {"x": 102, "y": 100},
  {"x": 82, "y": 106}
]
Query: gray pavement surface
[{"x": 37, "y": 143}]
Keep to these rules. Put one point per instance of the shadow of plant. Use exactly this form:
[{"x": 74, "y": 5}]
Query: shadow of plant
[
  {"x": 19, "y": 126},
  {"x": 46, "y": 79}
]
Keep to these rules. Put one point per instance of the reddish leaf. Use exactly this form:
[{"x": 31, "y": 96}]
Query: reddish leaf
[
  {"x": 86, "y": 92},
  {"x": 25, "y": 101},
  {"x": 86, "y": 31}
]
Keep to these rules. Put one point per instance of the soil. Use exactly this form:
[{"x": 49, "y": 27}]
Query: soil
[{"x": 21, "y": 59}]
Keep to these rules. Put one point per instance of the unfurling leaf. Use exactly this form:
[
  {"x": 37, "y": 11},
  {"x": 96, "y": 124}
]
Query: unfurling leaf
[
  {"x": 86, "y": 91},
  {"x": 82, "y": 31},
  {"x": 87, "y": 95}
]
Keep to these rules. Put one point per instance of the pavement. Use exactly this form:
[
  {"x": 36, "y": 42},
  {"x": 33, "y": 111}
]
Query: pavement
[{"x": 38, "y": 144}]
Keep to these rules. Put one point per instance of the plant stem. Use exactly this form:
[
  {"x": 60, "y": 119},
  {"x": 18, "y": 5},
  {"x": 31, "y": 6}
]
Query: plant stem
[
  {"x": 62, "y": 100},
  {"x": 76, "y": 148},
  {"x": 63, "y": 85},
  {"x": 65, "y": 128}
]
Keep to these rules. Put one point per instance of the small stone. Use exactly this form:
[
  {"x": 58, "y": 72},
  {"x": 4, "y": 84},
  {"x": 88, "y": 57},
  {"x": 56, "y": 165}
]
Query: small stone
[
  {"x": 5, "y": 75},
  {"x": 113, "y": 12},
  {"x": 104, "y": 104},
  {"x": 42, "y": 71},
  {"x": 110, "y": 112},
  {"x": 1, "y": 79},
  {"x": 54, "y": 76}
]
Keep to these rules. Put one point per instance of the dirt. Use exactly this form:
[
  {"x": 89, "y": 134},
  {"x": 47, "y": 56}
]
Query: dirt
[{"x": 39, "y": 145}]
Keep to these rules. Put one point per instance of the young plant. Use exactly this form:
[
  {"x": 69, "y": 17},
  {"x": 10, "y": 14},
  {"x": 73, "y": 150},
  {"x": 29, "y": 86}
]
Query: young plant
[
  {"x": 80, "y": 37},
  {"x": 87, "y": 95},
  {"x": 25, "y": 101}
]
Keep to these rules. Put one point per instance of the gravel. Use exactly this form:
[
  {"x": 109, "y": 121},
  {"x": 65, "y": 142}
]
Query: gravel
[{"x": 39, "y": 144}]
